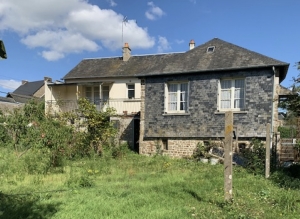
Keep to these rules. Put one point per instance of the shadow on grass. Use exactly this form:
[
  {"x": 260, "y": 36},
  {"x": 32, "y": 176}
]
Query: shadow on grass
[
  {"x": 287, "y": 177},
  {"x": 194, "y": 195},
  {"x": 25, "y": 206}
]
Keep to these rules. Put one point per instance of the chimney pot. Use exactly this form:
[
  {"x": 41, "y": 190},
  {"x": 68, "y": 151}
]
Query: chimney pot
[
  {"x": 192, "y": 44},
  {"x": 24, "y": 82}
]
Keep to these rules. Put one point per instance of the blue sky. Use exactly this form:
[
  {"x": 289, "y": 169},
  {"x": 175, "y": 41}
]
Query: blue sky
[{"x": 50, "y": 37}]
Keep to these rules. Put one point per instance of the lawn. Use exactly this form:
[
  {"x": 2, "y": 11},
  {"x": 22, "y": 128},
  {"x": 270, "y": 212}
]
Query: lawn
[{"x": 136, "y": 186}]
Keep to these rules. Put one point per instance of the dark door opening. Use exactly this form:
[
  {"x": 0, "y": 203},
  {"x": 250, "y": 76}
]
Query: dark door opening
[{"x": 136, "y": 134}]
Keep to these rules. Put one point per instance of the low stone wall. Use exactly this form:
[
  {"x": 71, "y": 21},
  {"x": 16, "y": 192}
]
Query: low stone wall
[
  {"x": 179, "y": 148},
  {"x": 170, "y": 147}
]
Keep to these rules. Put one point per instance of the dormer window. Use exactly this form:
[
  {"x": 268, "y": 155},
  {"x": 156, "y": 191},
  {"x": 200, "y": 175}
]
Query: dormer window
[{"x": 210, "y": 49}]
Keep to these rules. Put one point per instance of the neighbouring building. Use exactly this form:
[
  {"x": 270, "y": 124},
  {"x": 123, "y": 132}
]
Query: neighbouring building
[{"x": 27, "y": 91}]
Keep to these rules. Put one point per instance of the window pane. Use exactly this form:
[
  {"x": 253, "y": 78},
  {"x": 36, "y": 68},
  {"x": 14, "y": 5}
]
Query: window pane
[
  {"x": 130, "y": 88},
  {"x": 172, "y": 97},
  {"x": 130, "y": 94},
  {"x": 172, "y": 105},
  {"x": 105, "y": 93},
  {"x": 225, "y": 99},
  {"x": 183, "y": 96},
  {"x": 96, "y": 94},
  {"x": 172, "y": 87},
  {"x": 239, "y": 83},
  {"x": 225, "y": 84},
  {"x": 88, "y": 93},
  {"x": 239, "y": 93}
]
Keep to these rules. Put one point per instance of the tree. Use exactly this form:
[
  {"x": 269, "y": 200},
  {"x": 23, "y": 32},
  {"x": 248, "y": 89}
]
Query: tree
[
  {"x": 3, "y": 54},
  {"x": 292, "y": 102}
]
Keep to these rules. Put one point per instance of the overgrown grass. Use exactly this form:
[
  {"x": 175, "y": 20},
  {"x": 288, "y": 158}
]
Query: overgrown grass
[{"x": 135, "y": 186}]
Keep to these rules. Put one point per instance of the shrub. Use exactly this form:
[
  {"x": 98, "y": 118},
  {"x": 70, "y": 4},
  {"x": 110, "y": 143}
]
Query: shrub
[
  {"x": 98, "y": 128},
  {"x": 120, "y": 151},
  {"x": 255, "y": 157},
  {"x": 201, "y": 151},
  {"x": 287, "y": 132}
]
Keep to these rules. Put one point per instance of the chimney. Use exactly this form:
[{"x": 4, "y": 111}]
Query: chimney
[
  {"x": 46, "y": 79},
  {"x": 126, "y": 52},
  {"x": 24, "y": 82},
  {"x": 192, "y": 44}
]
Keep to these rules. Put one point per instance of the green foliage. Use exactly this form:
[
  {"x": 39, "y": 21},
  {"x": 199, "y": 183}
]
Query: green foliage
[
  {"x": 201, "y": 151},
  {"x": 39, "y": 141},
  {"x": 255, "y": 157},
  {"x": 99, "y": 131},
  {"x": 287, "y": 132},
  {"x": 80, "y": 181},
  {"x": 119, "y": 152},
  {"x": 287, "y": 178},
  {"x": 154, "y": 187},
  {"x": 292, "y": 102},
  {"x": 42, "y": 142}
]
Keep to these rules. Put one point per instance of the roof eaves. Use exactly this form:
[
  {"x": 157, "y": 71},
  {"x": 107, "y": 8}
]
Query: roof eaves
[
  {"x": 101, "y": 77},
  {"x": 209, "y": 70}
]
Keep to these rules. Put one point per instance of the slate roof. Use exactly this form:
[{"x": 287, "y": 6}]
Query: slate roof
[
  {"x": 29, "y": 88},
  {"x": 7, "y": 100},
  {"x": 23, "y": 98},
  {"x": 226, "y": 56}
]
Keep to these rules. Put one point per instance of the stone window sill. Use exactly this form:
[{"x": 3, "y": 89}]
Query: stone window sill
[
  {"x": 176, "y": 114},
  {"x": 234, "y": 112}
]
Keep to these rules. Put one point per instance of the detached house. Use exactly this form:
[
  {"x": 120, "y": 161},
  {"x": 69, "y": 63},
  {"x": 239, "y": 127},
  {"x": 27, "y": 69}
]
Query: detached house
[{"x": 175, "y": 100}]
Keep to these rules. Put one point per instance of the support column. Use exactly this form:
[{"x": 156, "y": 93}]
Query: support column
[
  {"x": 228, "y": 156},
  {"x": 268, "y": 142}
]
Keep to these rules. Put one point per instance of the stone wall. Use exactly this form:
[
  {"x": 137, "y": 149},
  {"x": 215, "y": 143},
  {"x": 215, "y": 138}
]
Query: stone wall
[
  {"x": 125, "y": 127},
  {"x": 203, "y": 118},
  {"x": 178, "y": 135}
]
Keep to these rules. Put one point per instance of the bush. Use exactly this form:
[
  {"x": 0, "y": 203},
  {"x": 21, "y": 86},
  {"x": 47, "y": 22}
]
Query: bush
[
  {"x": 287, "y": 132},
  {"x": 120, "y": 151},
  {"x": 201, "y": 151},
  {"x": 285, "y": 177},
  {"x": 255, "y": 157},
  {"x": 43, "y": 142}
]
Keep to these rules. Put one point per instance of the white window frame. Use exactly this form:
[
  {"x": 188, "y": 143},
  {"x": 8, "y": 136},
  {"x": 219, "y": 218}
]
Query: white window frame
[
  {"x": 178, "y": 99},
  {"x": 130, "y": 89},
  {"x": 232, "y": 98}
]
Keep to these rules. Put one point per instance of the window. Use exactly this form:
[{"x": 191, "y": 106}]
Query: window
[
  {"x": 177, "y": 97},
  {"x": 92, "y": 94},
  {"x": 232, "y": 94},
  {"x": 210, "y": 49},
  {"x": 130, "y": 90},
  {"x": 165, "y": 144},
  {"x": 105, "y": 92}
]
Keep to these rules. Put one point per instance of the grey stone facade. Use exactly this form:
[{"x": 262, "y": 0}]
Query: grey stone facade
[{"x": 203, "y": 119}]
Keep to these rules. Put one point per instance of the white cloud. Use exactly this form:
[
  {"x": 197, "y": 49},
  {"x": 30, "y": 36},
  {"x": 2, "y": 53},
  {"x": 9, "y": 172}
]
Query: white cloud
[
  {"x": 154, "y": 12},
  {"x": 10, "y": 84},
  {"x": 179, "y": 41},
  {"x": 112, "y": 3},
  {"x": 163, "y": 44},
  {"x": 73, "y": 27},
  {"x": 59, "y": 43}
]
